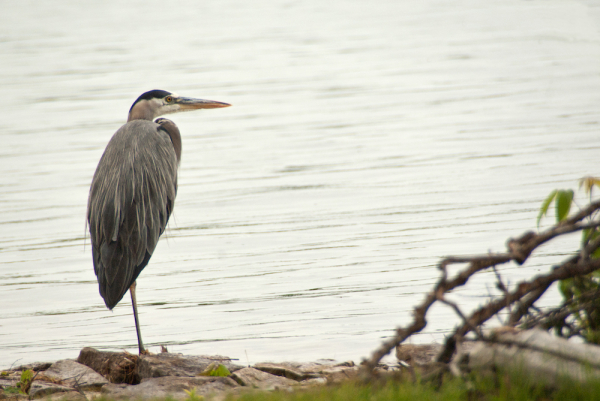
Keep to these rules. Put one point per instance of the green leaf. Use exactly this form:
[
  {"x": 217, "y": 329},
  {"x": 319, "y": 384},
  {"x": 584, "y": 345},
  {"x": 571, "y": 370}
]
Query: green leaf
[
  {"x": 589, "y": 234},
  {"x": 26, "y": 375},
  {"x": 192, "y": 396},
  {"x": 215, "y": 369},
  {"x": 221, "y": 370},
  {"x": 585, "y": 234},
  {"x": 25, "y": 382},
  {"x": 545, "y": 205},
  {"x": 588, "y": 184},
  {"x": 564, "y": 287},
  {"x": 564, "y": 198}
]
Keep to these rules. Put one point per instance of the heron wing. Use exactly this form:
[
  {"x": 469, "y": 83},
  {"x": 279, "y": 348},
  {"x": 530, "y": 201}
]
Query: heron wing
[{"x": 131, "y": 198}]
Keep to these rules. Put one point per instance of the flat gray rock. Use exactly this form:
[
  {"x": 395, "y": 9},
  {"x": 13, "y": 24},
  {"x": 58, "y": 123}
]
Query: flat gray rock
[
  {"x": 36, "y": 366},
  {"x": 285, "y": 369},
  {"x": 68, "y": 396},
  {"x": 331, "y": 371},
  {"x": 74, "y": 374},
  {"x": 161, "y": 387},
  {"x": 7, "y": 383},
  {"x": 166, "y": 364},
  {"x": 13, "y": 397},
  {"x": 40, "y": 389},
  {"x": 255, "y": 378}
]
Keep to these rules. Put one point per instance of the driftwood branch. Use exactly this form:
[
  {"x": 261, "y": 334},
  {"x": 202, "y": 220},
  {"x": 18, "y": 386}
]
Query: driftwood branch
[
  {"x": 481, "y": 315},
  {"x": 525, "y": 294},
  {"x": 557, "y": 317}
]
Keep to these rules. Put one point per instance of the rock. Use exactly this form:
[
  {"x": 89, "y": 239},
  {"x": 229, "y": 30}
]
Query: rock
[
  {"x": 38, "y": 388},
  {"x": 284, "y": 370},
  {"x": 36, "y": 366},
  {"x": 258, "y": 379},
  {"x": 41, "y": 389},
  {"x": 8, "y": 383},
  {"x": 74, "y": 374},
  {"x": 333, "y": 372},
  {"x": 12, "y": 396},
  {"x": 318, "y": 381},
  {"x": 117, "y": 367},
  {"x": 536, "y": 353},
  {"x": 161, "y": 387},
  {"x": 166, "y": 364},
  {"x": 417, "y": 355},
  {"x": 68, "y": 396}
]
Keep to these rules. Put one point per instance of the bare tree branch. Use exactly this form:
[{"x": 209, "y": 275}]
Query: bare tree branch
[
  {"x": 567, "y": 270},
  {"x": 519, "y": 251}
]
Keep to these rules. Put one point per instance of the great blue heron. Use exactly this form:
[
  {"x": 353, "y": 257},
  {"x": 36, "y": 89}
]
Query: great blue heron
[{"x": 133, "y": 193}]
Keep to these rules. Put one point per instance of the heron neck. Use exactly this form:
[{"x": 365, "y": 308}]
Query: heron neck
[{"x": 143, "y": 110}]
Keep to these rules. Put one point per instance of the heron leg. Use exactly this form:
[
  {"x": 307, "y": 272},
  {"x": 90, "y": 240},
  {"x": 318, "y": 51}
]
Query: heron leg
[{"x": 137, "y": 322}]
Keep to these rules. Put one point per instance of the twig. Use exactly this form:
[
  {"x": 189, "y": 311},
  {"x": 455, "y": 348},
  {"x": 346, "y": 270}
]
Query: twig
[
  {"x": 500, "y": 285},
  {"x": 518, "y": 250},
  {"x": 566, "y": 270},
  {"x": 462, "y": 316},
  {"x": 77, "y": 386},
  {"x": 525, "y": 304},
  {"x": 13, "y": 364},
  {"x": 553, "y": 317}
]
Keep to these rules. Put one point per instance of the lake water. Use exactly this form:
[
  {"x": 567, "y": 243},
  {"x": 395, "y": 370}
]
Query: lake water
[{"x": 366, "y": 141}]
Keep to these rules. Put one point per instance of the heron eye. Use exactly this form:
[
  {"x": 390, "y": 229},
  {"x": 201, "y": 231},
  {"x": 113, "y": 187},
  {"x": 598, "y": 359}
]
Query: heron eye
[{"x": 169, "y": 99}]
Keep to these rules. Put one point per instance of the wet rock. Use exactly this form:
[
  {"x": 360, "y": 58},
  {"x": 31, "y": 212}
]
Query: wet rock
[
  {"x": 117, "y": 367},
  {"x": 166, "y": 364},
  {"x": 161, "y": 387},
  {"x": 255, "y": 378},
  {"x": 74, "y": 374}
]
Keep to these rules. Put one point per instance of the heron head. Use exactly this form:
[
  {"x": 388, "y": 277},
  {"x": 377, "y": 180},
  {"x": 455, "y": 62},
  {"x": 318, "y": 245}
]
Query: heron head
[{"x": 159, "y": 102}]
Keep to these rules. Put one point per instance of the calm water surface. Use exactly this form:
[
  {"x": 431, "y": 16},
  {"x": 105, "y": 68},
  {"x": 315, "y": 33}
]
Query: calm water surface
[{"x": 367, "y": 140}]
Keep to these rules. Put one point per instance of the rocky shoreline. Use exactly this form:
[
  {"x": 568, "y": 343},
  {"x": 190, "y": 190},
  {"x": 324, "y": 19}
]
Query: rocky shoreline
[
  {"x": 544, "y": 358},
  {"x": 120, "y": 375}
]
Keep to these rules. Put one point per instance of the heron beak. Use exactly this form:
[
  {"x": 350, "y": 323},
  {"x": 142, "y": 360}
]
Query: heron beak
[{"x": 188, "y": 103}]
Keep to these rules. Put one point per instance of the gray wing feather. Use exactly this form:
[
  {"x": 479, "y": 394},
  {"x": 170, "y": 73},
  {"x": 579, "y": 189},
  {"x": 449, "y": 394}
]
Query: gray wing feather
[{"x": 131, "y": 198}]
